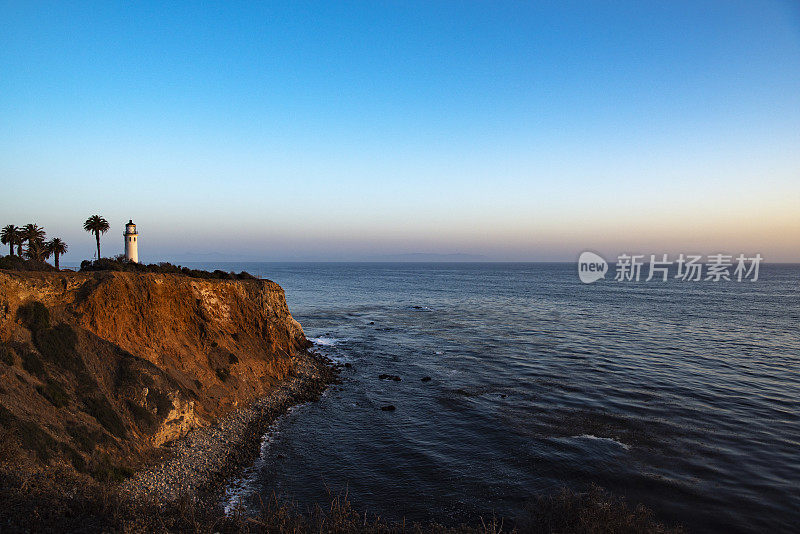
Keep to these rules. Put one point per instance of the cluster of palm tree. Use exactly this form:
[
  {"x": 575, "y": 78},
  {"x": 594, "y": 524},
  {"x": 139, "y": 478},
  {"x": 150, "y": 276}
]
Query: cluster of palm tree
[{"x": 38, "y": 248}]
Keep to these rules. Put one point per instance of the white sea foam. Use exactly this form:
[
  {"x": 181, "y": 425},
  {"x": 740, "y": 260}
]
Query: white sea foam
[
  {"x": 239, "y": 489},
  {"x": 329, "y": 347},
  {"x": 326, "y": 341},
  {"x": 242, "y": 487},
  {"x": 609, "y": 440}
]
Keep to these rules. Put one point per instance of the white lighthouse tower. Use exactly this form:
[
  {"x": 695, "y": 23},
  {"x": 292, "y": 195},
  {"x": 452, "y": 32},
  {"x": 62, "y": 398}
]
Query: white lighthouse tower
[{"x": 131, "y": 242}]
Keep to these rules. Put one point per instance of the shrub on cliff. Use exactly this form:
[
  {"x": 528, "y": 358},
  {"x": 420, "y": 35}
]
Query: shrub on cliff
[
  {"x": 223, "y": 373},
  {"x": 58, "y": 344},
  {"x": 32, "y": 364},
  {"x": 103, "y": 264},
  {"x": 73, "y": 456},
  {"x": 53, "y": 392},
  {"x": 122, "y": 265},
  {"x": 34, "y": 315},
  {"x": 84, "y": 437},
  {"x": 7, "y": 355},
  {"x": 15, "y": 263},
  {"x": 102, "y": 469},
  {"x": 103, "y": 412},
  {"x": 30, "y": 436}
]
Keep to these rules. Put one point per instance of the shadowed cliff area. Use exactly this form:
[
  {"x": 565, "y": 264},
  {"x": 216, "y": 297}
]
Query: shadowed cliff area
[{"x": 97, "y": 369}]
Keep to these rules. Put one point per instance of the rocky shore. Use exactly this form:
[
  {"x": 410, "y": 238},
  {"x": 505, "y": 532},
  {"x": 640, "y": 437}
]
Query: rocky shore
[{"x": 198, "y": 466}]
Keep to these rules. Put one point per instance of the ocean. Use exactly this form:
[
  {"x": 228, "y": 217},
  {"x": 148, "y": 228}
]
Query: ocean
[{"x": 682, "y": 396}]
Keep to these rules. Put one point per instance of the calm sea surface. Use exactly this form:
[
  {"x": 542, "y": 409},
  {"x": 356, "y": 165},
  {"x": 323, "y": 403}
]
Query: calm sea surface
[{"x": 681, "y": 396}]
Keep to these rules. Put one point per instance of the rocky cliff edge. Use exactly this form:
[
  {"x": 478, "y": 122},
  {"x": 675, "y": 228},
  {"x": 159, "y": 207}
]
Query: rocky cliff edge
[{"x": 97, "y": 369}]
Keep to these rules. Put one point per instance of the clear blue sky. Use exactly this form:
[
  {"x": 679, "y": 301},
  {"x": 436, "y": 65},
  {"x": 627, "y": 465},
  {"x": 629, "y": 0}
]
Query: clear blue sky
[{"x": 352, "y": 130}]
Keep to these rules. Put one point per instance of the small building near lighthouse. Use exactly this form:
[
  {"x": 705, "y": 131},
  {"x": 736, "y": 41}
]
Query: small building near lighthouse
[{"x": 131, "y": 242}]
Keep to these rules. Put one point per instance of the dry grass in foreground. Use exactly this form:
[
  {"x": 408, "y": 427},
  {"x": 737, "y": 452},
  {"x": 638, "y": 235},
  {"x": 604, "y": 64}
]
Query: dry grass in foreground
[{"x": 57, "y": 501}]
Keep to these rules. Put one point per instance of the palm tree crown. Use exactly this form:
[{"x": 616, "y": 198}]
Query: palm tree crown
[
  {"x": 10, "y": 235},
  {"x": 34, "y": 235},
  {"x": 37, "y": 250},
  {"x": 56, "y": 247},
  {"x": 96, "y": 225}
]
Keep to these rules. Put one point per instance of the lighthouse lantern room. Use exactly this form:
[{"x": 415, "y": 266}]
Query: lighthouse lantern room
[{"x": 131, "y": 242}]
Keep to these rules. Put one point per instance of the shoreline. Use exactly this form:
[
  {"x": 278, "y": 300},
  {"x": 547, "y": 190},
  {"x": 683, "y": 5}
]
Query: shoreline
[{"x": 200, "y": 465}]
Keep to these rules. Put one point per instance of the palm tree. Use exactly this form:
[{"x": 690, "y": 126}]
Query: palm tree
[
  {"x": 96, "y": 225},
  {"x": 9, "y": 235},
  {"x": 56, "y": 247},
  {"x": 37, "y": 250},
  {"x": 32, "y": 233}
]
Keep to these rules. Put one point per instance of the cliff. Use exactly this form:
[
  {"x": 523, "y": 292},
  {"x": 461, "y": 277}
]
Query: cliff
[{"x": 97, "y": 369}]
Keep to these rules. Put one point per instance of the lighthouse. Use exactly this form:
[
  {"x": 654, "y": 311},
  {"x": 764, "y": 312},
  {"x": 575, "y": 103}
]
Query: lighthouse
[{"x": 131, "y": 244}]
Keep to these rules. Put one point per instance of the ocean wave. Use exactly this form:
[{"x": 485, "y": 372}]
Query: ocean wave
[
  {"x": 239, "y": 489},
  {"x": 329, "y": 346},
  {"x": 599, "y": 438},
  {"x": 326, "y": 341}
]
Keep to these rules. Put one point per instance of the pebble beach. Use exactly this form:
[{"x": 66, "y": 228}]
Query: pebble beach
[{"x": 198, "y": 466}]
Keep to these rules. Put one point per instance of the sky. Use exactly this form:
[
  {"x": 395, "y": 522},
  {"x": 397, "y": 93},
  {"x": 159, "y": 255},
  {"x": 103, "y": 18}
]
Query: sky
[{"x": 351, "y": 131}]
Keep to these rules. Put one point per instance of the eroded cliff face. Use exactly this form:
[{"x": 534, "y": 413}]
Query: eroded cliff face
[{"x": 97, "y": 367}]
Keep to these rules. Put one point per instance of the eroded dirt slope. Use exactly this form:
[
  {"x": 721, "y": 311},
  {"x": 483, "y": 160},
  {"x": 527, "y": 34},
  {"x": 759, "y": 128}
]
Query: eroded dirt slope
[{"x": 98, "y": 368}]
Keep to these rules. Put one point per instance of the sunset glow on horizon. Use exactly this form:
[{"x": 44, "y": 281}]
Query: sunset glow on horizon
[{"x": 360, "y": 130}]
